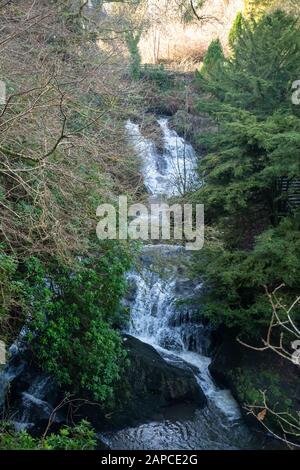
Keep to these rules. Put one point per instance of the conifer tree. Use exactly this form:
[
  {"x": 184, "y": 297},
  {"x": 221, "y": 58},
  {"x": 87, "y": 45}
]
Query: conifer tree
[
  {"x": 213, "y": 59},
  {"x": 257, "y": 143}
]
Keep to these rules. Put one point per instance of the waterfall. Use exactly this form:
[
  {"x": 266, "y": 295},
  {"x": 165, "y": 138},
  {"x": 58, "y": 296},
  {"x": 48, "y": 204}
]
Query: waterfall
[
  {"x": 12, "y": 369},
  {"x": 169, "y": 173},
  {"x": 156, "y": 317},
  {"x": 162, "y": 302},
  {"x": 161, "y": 316}
]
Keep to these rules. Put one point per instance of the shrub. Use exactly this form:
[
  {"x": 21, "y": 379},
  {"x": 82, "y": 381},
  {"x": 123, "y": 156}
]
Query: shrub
[{"x": 79, "y": 437}]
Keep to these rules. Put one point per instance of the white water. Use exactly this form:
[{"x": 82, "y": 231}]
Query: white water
[
  {"x": 11, "y": 370},
  {"x": 158, "y": 319},
  {"x": 32, "y": 405},
  {"x": 170, "y": 173},
  {"x": 161, "y": 320}
]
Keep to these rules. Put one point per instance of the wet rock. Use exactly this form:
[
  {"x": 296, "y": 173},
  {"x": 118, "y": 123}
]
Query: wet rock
[
  {"x": 148, "y": 386},
  {"x": 36, "y": 413},
  {"x": 32, "y": 395},
  {"x": 151, "y": 383},
  {"x": 131, "y": 290},
  {"x": 151, "y": 130},
  {"x": 35, "y": 399}
]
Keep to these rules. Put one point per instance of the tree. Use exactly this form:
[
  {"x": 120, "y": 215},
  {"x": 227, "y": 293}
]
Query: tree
[
  {"x": 235, "y": 31},
  {"x": 213, "y": 60},
  {"x": 71, "y": 332},
  {"x": 249, "y": 96},
  {"x": 251, "y": 101},
  {"x": 58, "y": 162}
]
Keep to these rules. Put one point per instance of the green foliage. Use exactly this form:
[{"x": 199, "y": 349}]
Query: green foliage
[
  {"x": 213, "y": 60},
  {"x": 7, "y": 269},
  {"x": 249, "y": 384},
  {"x": 259, "y": 128},
  {"x": 236, "y": 29},
  {"x": 247, "y": 392},
  {"x": 258, "y": 78},
  {"x": 236, "y": 278},
  {"x": 132, "y": 40},
  {"x": 11, "y": 291},
  {"x": 257, "y": 143},
  {"x": 79, "y": 437},
  {"x": 73, "y": 315},
  {"x": 158, "y": 75}
]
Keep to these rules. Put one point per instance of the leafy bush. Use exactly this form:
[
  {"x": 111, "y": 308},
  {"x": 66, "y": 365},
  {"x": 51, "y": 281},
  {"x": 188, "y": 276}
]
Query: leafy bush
[
  {"x": 11, "y": 291},
  {"x": 79, "y": 437},
  {"x": 73, "y": 315},
  {"x": 158, "y": 75}
]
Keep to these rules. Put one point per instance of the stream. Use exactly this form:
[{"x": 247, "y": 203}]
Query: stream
[
  {"x": 161, "y": 317},
  {"x": 163, "y": 302}
]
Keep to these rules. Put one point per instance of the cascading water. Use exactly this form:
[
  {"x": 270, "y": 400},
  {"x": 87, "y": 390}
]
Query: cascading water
[
  {"x": 156, "y": 316},
  {"x": 12, "y": 370},
  {"x": 170, "y": 173},
  {"x": 161, "y": 316},
  {"x": 162, "y": 304}
]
